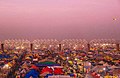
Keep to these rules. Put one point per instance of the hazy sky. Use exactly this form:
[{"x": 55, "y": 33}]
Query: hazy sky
[{"x": 59, "y": 19}]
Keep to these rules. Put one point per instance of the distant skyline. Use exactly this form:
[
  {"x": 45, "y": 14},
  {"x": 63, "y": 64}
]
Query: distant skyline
[{"x": 60, "y": 19}]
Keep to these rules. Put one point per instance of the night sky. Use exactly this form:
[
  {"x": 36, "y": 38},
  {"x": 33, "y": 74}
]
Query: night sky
[{"x": 59, "y": 19}]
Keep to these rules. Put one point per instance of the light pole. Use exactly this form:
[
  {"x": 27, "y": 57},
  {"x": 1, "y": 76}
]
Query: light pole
[
  {"x": 2, "y": 46},
  {"x": 117, "y": 47},
  {"x": 31, "y": 46}
]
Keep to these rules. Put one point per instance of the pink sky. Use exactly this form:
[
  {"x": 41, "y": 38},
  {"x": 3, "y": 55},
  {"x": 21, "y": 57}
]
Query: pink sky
[{"x": 60, "y": 19}]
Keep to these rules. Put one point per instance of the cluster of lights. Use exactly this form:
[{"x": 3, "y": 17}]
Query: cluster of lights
[
  {"x": 16, "y": 43},
  {"x": 53, "y": 43},
  {"x": 73, "y": 43},
  {"x": 103, "y": 43},
  {"x": 45, "y": 43}
]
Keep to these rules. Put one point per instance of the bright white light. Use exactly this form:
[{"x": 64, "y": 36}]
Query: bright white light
[
  {"x": 74, "y": 47},
  {"x": 89, "y": 63},
  {"x": 17, "y": 47},
  {"x": 107, "y": 44},
  {"x": 104, "y": 44},
  {"x": 67, "y": 57},
  {"x": 22, "y": 47},
  {"x": 83, "y": 46},
  {"x": 104, "y": 68},
  {"x": 76, "y": 59},
  {"x": 50, "y": 45},
  {"x": 57, "y": 45},
  {"x": 35, "y": 48},
  {"x": 98, "y": 74},
  {"x": 6, "y": 66}
]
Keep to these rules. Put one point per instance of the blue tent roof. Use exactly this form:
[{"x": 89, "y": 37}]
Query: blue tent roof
[
  {"x": 32, "y": 73},
  {"x": 4, "y": 56},
  {"x": 47, "y": 63}
]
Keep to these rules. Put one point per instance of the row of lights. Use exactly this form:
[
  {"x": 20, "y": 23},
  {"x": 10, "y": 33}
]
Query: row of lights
[{"x": 49, "y": 43}]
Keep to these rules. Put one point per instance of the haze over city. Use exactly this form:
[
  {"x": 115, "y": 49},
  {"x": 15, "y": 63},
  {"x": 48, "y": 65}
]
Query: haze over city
[{"x": 59, "y": 19}]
